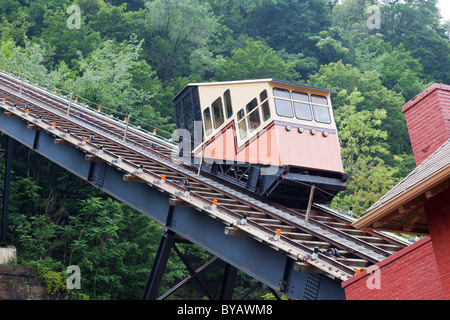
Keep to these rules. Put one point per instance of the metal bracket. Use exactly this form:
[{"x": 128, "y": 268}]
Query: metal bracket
[
  {"x": 311, "y": 197},
  {"x": 312, "y": 286}
]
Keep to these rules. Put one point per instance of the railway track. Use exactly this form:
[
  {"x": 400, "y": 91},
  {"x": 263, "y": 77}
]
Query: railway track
[{"x": 147, "y": 158}]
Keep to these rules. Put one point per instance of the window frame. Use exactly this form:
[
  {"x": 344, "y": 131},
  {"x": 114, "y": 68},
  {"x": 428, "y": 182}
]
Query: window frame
[
  {"x": 241, "y": 119},
  {"x": 217, "y": 102},
  {"x": 252, "y": 111},
  {"x": 252, "y": 125},
  {"x": 296, "y": 99},
  {"x": 321, "y": 103},
  {"x": 265, "y": 107},
  {"x": 205, "y": 121},
  {"x": 314, "y": 106},
  {"x": 301, "y": 94},
  {"x": 282, "y": 100},
  {"x": 309, "y": 108},
  {"x": 318, "y": 96},
  {"x": 228, "y": 107}
]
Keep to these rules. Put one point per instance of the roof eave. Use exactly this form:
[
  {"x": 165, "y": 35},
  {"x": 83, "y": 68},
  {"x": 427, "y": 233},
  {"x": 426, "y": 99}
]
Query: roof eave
[
  {"x": 372, "y": 216},
  {"x": 253, "y": 81}
]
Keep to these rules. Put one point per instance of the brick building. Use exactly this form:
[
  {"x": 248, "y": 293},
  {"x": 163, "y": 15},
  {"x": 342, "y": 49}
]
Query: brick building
[{"x": 419, "y": 204}]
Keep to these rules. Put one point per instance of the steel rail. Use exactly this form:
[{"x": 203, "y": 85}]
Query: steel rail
[
  {"x": 326, "y": 238},
  {"x": 159, "y": 160},
  {"x": 324, "y": 226},
  {"x": 105, "y": 121},
  {"x": 319, "y": 230},
  {"x": 256, "y": 230}
]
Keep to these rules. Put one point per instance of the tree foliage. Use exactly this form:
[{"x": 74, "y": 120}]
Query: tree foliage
[
  {"x": 362, "y": 153},
  {"x": 181, "y": 27},
  {"x": 256, "y": 61},
  {"x": 112, "y": 244},
  {"x": 416, "y": 25}
]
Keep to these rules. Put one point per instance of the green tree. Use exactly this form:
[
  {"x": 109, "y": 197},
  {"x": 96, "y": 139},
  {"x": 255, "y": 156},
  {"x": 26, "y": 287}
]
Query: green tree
[
  {"x": 182, "y": 27},
  {"x": 132, "y": 5},
  {"x": 35, "y": 12},
  {"x": 358, "y": 129},
  {"x": 116, "y": 79},
  {"x": 112, "y": 21},
  {"x": 397, "y": 69},
  {"x": 360, "y": 136},
  {"x": 283, "y": 24},
  {"x": 112, "y": 244},
  {"x": 67, "y": 43},
  {"x": 350, "y": 17},
  {"x": 255, "y": 61},
  {"x": 14, "y": 23},
  {"x": 416, "y": 24},
  {"x": 446, "y": 28},
  {"x": 330, "y": 46},
  {"x": 104, "y": 253},
  {"x": 29, "y": 61},
  {"x": 350, "y": 40}
]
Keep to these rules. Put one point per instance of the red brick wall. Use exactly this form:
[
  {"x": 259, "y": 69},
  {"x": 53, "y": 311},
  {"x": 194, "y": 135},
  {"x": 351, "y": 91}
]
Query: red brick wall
[
  {"x": 422, "y": 270},
  {"x": 438, "y": 218},
  {"x": 410, "y": 274},
  {"x": 428, "y": 119},
  {"x": 444, "y": 97}
]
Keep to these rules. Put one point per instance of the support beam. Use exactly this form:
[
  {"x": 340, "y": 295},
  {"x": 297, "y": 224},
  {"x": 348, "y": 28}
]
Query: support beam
[
  {"x": 32, "y": 126},
  {"x": 307, "y": 268},
  {"x": 132, "y": 178},
  {"x": 159, "y": 265},
  {"x": 437, "y": 189},
  {"x": 7, "y": 182},
  {"x": 412, "y": 217},
  {"x": 188, "y": 278},
  {"x": 236, "y": 232},
  {"x": 162, "y": 256},
  {"x": 9, "y": 114},
  {"x": 62, "y": 142},
  {"x": 193, "y": 273},
  {"x": 249, "y": 290},
  {"x": 93, "y": 158},
  {"x": 284, "y": 282},
  {"x": 179, "y": 203},
  {"x": 414, "y": 204},
  {"x": 229, "y": 278},
  {"x": 311, "y": 197},
  {"x": 275, "y": 294}
]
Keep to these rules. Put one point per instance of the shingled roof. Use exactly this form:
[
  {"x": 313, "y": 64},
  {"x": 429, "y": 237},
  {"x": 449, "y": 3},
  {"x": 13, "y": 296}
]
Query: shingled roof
[{"x": 401, "y": 208}]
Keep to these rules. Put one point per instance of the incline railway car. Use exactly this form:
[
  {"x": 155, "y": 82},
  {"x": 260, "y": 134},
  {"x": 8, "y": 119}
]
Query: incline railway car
[{"x": 275, "y": 138}]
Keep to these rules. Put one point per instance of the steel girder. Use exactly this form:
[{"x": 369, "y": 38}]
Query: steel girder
[
  {"x": 6, "y": 189},
  {"x": 261, "y": 261}
]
